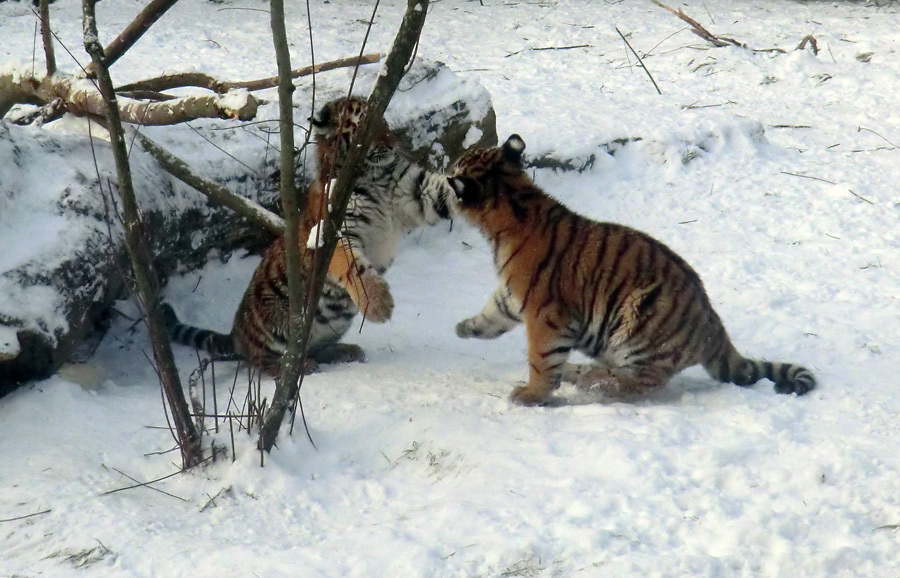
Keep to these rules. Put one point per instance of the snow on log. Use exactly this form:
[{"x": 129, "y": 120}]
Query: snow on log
[{"x": 81, "y": 97}]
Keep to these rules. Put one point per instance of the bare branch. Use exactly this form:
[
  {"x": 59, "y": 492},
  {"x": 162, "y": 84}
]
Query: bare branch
[
  {"x": 47, "y": 37},
  {"x": 203, "y": 80},
  {"x": 543, "y": 48},
  {"x": 136, "y": 244},
  {"x": 286, "y": 386},
  {"x": 216, "y": 192},
  {"x": 700, "y": 31},
  {"x": 132, "y": 33}
]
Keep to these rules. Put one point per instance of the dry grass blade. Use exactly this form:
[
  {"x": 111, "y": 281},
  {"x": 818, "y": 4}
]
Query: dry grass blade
[
  {"x": 542, "y": 48},
  {"x": 808, "y": 177},
  {"x": 42, "y": 512},
  {"x": 640, "y": 61}
]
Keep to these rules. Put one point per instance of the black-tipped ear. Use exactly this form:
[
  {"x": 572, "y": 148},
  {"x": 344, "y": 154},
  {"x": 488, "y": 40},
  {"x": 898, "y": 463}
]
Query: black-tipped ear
[
  {"x": 457, "y": 185},
  {"x": 513, "y": 148},
  {"x": 322, "y": 118},
  {"x": 468, "y": 192}
]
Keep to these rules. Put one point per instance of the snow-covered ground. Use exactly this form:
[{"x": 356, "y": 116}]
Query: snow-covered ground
[{"x": 774, "y": 174}]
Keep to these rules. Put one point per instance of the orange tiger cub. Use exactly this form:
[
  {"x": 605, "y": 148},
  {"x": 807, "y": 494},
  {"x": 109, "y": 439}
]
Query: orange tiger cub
[
  {"x": 392, "y": 197},
  {"x": 613, "y": 293}
]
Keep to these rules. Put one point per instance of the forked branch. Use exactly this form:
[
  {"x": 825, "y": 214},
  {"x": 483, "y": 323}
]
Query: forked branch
[
  {"x": 718, "y": 41},
  {"x": 147, "y": 17},
  {"x": 700, "y": 31}
]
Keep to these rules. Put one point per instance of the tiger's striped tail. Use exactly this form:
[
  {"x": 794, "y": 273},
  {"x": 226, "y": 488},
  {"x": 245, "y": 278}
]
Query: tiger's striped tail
[
  {"x": 219, "y": 345},
  {"x": 731, "y": 367}
]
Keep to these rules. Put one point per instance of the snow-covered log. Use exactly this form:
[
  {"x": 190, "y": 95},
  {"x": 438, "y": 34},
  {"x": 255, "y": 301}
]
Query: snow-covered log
[
  {"x": 62, "y": 258},
  {"x": 81, "y": 97}
]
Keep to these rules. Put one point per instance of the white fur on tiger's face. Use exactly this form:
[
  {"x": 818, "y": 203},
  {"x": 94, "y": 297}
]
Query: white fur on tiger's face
[{"x": 611, "y": 292}]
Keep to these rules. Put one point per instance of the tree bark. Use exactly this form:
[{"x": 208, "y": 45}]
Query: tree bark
[
  {"x": 146, "y": 285},
  {"x": 287, "y": 386},
  {"x": 47, "y": 37}
]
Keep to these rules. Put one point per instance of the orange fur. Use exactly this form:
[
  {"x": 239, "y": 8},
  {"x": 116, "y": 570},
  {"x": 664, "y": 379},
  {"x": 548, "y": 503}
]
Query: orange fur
[{"x": 618, "y": 295}]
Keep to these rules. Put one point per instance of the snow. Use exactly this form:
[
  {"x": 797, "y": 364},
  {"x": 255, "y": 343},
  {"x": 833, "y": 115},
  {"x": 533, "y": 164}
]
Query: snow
[
  {"x": 234, "y": 100},
  {"x": 9, "y": 343},
  {"x": 773, "y": 174},
  {"x": 315, "y": 238}
]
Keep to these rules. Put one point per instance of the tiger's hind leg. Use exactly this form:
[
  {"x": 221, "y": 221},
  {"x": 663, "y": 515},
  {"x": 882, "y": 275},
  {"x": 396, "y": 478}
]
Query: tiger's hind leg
[
  {"x": 339, "y": 353},
  {"x": 623, "y": 382},
  {"x": 585, "y": 375}
]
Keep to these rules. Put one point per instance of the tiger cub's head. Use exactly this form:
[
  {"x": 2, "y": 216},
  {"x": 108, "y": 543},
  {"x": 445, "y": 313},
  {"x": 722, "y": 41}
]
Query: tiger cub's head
[
  {"x": 336, "y": 124},
  {"x": 485, "y": 179}
]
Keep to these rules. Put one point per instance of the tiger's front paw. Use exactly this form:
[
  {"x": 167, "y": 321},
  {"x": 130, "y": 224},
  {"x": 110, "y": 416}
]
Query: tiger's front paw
[
  {"x": 375, "y": 301},
  {"x": 525, "y": 395},
  {"x": 468, "y": 328}
]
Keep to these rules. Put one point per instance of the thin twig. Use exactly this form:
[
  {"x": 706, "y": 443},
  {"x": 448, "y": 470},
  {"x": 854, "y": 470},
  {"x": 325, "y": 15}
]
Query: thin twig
[
  {"x": 539, "y": 48},
  {"x": 808, "y": 177},
  {"x": 640, "y": 61},
  {"x": 145, "y": 484},
  {"x": 26, "y": 516},
  {"x": 860, "y": 197},
  {"x": 862, "y": 128}
]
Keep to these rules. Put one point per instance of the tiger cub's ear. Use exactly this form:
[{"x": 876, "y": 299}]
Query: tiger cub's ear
[
  {"x": 467, "y": 190},
  {"x": 321, "y": 117},
  {"x": 323, "y": 120},
  {"x": 513, "y": 148}
]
